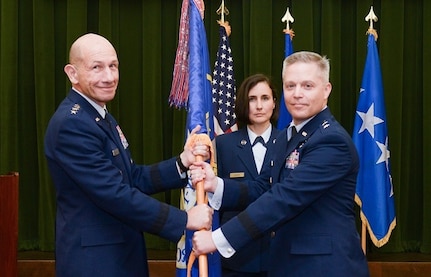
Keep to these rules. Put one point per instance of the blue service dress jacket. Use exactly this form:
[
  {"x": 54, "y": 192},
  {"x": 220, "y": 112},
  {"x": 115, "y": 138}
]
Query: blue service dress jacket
[
  {"x": 235, "y": 160},
  {"x": 309, "y": 206},
  {"x": 103, "y": 202}
]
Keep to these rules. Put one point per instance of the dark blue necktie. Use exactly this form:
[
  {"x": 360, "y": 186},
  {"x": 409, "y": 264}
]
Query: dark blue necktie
[
  {"x": 259, "y": 139},
  {"x": 294, "y": 132}
]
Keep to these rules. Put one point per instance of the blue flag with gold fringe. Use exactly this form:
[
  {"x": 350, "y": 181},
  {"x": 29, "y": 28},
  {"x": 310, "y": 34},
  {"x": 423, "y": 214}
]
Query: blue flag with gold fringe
[{"x": 374, "y": 189}]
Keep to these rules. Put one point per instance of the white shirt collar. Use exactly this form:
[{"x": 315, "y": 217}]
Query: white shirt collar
[
  {"x": 99, "y": 109},
  {"x": 299, "y": 126},
  {"x": 265, "y": 135}
]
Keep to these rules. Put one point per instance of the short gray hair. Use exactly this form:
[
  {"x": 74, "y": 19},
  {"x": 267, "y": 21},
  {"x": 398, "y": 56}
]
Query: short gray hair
[{"x": 308, "y": 57}]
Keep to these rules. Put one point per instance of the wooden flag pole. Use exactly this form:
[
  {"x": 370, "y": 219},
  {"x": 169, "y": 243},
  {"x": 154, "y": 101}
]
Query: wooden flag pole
[
  {"x": 201, "y": 199},
  {"x": 364, "y": 238},
  {"x": 371, "y": 17},
  {"x": 222, "y": 11}
]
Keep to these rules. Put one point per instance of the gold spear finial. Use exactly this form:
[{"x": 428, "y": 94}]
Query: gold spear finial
[
  {"x": 222, "y": 10},
  {"x": 371, "y": 17},
  {"x": 287, "y": 17}
]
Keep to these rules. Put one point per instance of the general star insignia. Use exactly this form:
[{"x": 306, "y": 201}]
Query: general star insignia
[{"x": 75, "y": 109}]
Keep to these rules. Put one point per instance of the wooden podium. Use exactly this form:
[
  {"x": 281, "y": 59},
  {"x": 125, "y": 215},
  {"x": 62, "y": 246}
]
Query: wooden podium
[{"x": 9, "y": 224}]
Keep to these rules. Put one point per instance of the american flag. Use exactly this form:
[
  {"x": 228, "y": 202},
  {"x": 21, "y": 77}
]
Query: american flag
[{"x": 223, "y": 88}]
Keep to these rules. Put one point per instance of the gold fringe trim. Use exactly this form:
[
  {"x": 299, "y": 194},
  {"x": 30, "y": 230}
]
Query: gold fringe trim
[{"x": 377, "y": 242}]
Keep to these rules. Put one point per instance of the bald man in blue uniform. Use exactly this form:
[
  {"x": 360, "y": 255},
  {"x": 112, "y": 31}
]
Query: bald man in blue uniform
[{"x": 103, "y": 197}]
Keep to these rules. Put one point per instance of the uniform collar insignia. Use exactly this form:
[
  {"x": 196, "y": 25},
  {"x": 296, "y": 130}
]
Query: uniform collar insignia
[
  {"x": 325, "y": 124},
  {"x": 75, "y": 109}
]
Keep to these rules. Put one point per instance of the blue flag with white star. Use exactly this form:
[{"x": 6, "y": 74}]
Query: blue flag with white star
[
  {"x": 374, "y": 188},
  {"x": 284, "y": 117}
]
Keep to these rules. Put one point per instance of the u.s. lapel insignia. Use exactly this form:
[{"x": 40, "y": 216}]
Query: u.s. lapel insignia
[
  {"x": 75, "y": 109},
  {"x": 302, "y": 144},
  {"x": 293, "y": 160},
  {"x": 243, "y": 142}
]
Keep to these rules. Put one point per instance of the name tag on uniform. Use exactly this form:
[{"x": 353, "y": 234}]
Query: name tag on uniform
[
  {"x": 115, "y": 152},
  {"x": 236, "y": 175}
]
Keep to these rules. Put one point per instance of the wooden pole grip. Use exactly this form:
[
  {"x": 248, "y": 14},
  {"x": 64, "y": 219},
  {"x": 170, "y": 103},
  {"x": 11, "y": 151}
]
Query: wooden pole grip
[{"x": 201, "y": 199}]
